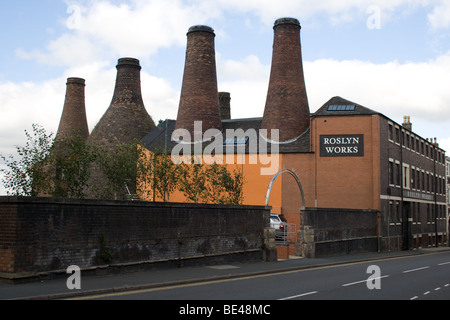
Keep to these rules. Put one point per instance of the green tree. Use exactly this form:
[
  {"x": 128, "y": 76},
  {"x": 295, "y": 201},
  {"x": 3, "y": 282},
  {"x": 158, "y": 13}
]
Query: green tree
[
  {"x": 191, "y": 182},
  {"x": 116, "y": 170},
  {"x": 224, "y": 187},
  {"x": 157, "y": 175},
  {"x": 211, "y": 183},
  {"x": 166, "y": 176},
  {"x": 47, "y": 167},
  {"x": 72, "y": 159},
  {"x": 27, "y": 175}
]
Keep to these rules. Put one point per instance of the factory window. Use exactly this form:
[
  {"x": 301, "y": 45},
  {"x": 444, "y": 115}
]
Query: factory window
[
  {"x": 406, "y": 177},
  {"x": 397, "y": 174},
  {"x": 423, "y": 181},
  {"x": 391, "y": 172}
]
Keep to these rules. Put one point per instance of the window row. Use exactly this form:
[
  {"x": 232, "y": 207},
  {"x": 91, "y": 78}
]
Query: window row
[
  {"x": 419, "y": 212},
  {"x": 419, "y": 145},
  {"x": 415, "y": 179}
]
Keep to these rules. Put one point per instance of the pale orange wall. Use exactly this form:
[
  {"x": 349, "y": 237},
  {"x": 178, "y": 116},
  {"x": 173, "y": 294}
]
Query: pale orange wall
[{"x": 255, "y": 187}]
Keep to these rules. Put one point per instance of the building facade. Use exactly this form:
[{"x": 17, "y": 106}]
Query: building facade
[
  {"x": 344, "y": 156},
  {"x": 367, "y": 160}
]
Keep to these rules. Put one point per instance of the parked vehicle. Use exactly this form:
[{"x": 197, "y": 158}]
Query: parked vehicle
[
  {"x": 279, "y": 225},
  {"x": 276, "y": 222}
]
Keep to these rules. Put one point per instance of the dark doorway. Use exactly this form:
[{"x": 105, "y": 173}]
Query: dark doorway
[{"x": 406, "y": 225}]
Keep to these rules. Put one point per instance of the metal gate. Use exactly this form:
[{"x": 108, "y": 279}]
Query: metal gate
[{"x": 287, "y": 235}]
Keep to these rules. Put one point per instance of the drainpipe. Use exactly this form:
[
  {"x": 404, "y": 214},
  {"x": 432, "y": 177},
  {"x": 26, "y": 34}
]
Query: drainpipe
[{"x": 435, "y": 196}]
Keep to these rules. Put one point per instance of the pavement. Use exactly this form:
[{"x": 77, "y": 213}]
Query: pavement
[{"x": 51, "y": 289}]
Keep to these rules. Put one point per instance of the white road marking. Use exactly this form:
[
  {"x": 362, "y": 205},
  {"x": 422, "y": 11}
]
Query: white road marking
[
  {"x": 299, "y": 295},
  {"x": 363, "y": 281},
  {"x": 417, "y": 269}
]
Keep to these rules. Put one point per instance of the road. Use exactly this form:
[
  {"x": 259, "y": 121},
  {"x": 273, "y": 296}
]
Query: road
[{"x": 421, "y": 277}]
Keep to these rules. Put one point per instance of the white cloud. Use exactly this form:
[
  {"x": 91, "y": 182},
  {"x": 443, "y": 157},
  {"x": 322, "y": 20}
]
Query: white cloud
[
  {"x": 394, "y": 89},
  {"x": 337, "y": 12},
  {"x": 419, "y": 90},
  {"x": 440, "y": 16},
  {"x": 138, "y": 28}
]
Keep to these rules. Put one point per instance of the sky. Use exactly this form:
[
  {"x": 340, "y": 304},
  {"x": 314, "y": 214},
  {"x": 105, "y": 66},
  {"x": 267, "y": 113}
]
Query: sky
[{"x": 392, "y": 56}]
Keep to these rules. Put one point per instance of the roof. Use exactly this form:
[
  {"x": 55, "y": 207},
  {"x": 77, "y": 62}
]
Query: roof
[
  {"x": 234, "y": 133},
  {"x": 338, "y": 106}
]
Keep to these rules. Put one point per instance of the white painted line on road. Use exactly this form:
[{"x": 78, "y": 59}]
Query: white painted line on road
[
  {"x": 443, "y": 263},
  {"x": 417, "y": 269},
  {"x": 425, "y": 293},
  {"x": 299, "y": 295},
  {"x": 363, "y": 281},
  {"x": 414, "y": 298},
  {"x": 352, "y": 283},
  {"x": 438, "y": 288},
  {"x": 447, "y": 284}
]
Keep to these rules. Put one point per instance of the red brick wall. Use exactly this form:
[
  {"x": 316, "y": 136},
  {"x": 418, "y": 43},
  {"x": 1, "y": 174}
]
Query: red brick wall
[{"x": 44, "y": 234}]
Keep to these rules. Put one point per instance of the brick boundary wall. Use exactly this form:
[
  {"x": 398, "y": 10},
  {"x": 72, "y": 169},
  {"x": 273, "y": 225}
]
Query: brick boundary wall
[
  {"x": 47, "y": 235},
  {"x": 329, "y": 232}
]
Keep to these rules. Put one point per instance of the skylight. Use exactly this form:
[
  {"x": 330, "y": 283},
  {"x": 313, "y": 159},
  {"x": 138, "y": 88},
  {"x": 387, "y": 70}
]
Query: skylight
[
  {"x": 341, "y": 107},
  {"x": 236, "y": 141}
]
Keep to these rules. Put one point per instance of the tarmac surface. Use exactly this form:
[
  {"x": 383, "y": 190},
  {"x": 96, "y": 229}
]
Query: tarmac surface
[{"x": 108, "y": 283}]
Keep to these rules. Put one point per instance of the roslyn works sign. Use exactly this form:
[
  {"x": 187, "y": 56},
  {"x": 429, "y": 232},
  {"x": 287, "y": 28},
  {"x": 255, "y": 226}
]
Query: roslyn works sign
[{"x": 345, "y": 145}]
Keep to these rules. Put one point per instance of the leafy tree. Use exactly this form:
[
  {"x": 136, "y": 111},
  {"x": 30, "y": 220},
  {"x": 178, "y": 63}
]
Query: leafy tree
[
  {"x": 48, "y": 168},
  {"x": 192, "y": 182},
  {"x": 157, "y": 175},
  {"x": 116, "y": 170},
  {"x": 224, "y": 187},
  {"x": 27, "y": 175},
  {"x": 72, "y": 159},
  {"x": 166, "y": 176},
  {"x": 211, "y": 183}
]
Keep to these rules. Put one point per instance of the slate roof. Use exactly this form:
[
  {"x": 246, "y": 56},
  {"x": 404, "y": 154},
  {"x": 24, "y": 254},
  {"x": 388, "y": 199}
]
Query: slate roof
[
  {"x": 156, "y": 139},
  {"x": 342, "y": 111}
]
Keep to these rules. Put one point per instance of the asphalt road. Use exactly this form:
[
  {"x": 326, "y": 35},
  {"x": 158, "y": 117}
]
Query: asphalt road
[{"x": 416, "y": 277}]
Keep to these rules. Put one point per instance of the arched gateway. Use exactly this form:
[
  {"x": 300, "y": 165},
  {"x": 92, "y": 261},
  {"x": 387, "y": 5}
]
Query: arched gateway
[{"x": 292, "y": 173}]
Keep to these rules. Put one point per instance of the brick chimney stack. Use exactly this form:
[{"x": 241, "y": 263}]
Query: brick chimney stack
[
  {"x": 73, "y": 121},
  {"x": 287, "y": 107},
  {"x": 199, "y": 100},
  {"x": 225, "y": 105},
  {"x": 407, "y": 123},
  {"x": 126, "y": 118}
]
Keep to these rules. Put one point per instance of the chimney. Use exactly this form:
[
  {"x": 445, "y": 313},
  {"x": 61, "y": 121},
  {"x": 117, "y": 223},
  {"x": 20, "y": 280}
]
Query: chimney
[
  {"x": 225, "y": 107},
  {"x": 407, "y": 123},
  {"x": 73, "y": 121},
  {"x": 199, "y": 100},
  {"x": 287, "y": 106},
  {"x": 126, "y": 118}
]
